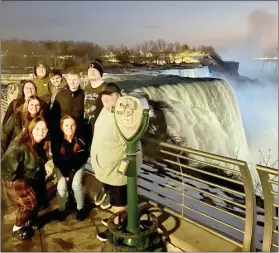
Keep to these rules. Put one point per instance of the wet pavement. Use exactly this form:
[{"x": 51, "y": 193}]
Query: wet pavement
[
  {"x": 68, "y": 235},
  {"x": 80, "y": 236}
]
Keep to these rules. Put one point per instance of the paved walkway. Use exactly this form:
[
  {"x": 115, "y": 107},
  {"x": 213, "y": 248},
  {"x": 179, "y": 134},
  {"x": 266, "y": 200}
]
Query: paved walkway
[
  {"x": 69, "y": 235},
  {"x": 76, "y": 236}
]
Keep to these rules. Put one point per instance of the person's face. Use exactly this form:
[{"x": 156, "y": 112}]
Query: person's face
[
  {"x": 41, "y": 71},
  {"x": 29, "y": 90},
  {"x": 73, "y": 82},
  {"x": 39, "y": 132},
  {"x": 93, "y": 74},
  {"x": 69, "y": 127},
  {"x": 109, "y": 100},
  {"x": 34, "y": 107},
  {"x": 56, "y": 80}
]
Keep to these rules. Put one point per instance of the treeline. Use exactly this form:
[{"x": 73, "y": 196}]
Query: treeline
[{"x": 23, "y": 54}]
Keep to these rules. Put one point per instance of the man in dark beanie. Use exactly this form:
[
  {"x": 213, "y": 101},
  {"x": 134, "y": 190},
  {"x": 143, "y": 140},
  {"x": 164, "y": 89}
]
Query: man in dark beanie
[{"x": 92, "y": 101}]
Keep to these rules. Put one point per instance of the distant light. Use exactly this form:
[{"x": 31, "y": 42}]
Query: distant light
[{"x": 266, "y": 58}]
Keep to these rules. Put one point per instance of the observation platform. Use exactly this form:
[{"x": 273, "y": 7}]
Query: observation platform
[{"x": 75, "y": 236}]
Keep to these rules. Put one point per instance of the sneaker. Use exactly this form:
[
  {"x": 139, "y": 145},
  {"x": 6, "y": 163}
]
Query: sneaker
[
  {"x": 106, "y": 202},
  {"x": 105, "y": 222},
  {"x": 99, "y": 197},
  {"x": 81, "y": 214},
  {"x": 103, "y": 236},
  {"x": 24, "y": 233}
]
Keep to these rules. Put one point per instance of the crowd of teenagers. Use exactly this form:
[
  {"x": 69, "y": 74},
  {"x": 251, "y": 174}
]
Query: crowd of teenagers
[{"x": 57, "y": 122}]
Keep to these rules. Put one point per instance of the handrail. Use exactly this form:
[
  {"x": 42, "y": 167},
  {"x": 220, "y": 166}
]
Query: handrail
[
  {"x": 196, "y": 152},
  {"x": 270, "y": 218},
  {"x": 243, "y": 170}
]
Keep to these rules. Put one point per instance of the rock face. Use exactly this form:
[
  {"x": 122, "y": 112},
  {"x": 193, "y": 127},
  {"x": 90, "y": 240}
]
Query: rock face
[
  {"x": 231, "y": 67},
  {"x": 225, "y": 67}
]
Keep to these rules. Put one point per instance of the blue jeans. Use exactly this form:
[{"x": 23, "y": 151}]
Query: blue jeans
[{"x": 62, "y": 189}]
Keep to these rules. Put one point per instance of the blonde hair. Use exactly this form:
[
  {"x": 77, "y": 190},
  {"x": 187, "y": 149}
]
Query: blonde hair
[
  {"x": 74, "y": 72},
  {"x": 76, "y": 147}
]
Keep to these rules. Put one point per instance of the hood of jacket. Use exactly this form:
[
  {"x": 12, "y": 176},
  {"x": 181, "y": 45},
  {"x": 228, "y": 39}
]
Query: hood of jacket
[{"x": 45, "y": 65}]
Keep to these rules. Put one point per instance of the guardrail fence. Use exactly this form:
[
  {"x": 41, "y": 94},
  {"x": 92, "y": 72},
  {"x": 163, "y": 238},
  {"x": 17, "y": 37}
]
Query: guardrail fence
[{"x": 269, "y": 181}]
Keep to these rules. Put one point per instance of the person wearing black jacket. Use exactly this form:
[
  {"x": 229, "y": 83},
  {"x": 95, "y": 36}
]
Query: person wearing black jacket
[
  {"x": 69, "y": 155},
  {"x": 69, "y": 101},
  {"x": 21, "y": 166}
]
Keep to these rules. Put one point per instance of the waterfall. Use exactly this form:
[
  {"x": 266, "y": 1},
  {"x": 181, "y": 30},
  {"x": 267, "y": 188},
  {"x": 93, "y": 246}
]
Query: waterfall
[
  {"x": 194, "y": 73},
  {"x": 270, "y": 67},
  {"x": 205, "y": 112}
]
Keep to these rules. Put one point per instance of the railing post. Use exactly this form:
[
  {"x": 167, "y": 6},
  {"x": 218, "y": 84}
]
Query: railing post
[
  {"x": 269, "y": 209},
  {"x": 249, "y": 244}
]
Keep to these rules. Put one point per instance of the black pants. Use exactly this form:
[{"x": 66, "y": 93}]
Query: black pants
[
  {"x": 40, "y": 189},
  {"x": 118, "y": 194}
]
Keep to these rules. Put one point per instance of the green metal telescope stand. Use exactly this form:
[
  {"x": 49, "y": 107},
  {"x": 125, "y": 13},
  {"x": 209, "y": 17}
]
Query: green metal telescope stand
[{"x": 138, "y": 231}]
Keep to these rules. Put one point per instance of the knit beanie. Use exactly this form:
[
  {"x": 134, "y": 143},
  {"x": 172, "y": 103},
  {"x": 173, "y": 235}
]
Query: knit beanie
[{"x": 97, "y": 64}]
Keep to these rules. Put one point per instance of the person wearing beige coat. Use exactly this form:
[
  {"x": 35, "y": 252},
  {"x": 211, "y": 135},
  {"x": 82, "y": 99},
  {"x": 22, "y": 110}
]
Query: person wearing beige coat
[{"x": 107, "y": 151}]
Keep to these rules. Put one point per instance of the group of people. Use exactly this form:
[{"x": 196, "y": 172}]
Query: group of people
[{"x": 56, "y": 120}]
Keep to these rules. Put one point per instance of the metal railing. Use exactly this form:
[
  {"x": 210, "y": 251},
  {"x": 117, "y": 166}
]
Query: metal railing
[
  {"x": 21, "y": 76},
  {"x": 269, "y": 181},
  {"x": 16, "y": 78},
  {"x": 176, "y": 169}
]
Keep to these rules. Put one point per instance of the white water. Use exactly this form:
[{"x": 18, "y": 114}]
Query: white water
[
  {"x": 206, "y": 113},
  {"x": 194, "y": 73},
  {"x": 270, "y": 67},
  {"x": 259, "y": 110}
]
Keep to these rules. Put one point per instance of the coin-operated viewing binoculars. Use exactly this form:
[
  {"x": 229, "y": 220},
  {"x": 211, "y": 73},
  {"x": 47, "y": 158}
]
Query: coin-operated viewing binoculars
[{"x": 139, "y": 230}]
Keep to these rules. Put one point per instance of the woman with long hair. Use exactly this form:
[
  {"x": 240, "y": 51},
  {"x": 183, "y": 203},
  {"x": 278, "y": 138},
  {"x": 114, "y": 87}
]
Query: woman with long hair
[
  {"x": 28, "y": 89},
  {"x": 20, "y": 169},
  {"x": 69, "y": 155},
  {"x": 20, "y": 120}
]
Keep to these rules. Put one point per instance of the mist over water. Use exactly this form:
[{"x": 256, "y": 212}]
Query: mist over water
[
  {"x": 258, "y": 102},
  {"x": 258, "y": 105}
]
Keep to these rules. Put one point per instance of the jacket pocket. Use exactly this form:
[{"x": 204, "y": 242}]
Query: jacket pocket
[{"x": 105, "y": 162}]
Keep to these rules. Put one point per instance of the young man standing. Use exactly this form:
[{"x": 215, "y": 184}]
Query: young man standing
[
  {"x": 41, "y": 71},
  {"x": 92, "y": 108},
  {"x": 107, "y": 151},
  {"x": 56, "y": 83},
  {"x": 69, "y": 101},
  {"x": 92, "y": 102}
]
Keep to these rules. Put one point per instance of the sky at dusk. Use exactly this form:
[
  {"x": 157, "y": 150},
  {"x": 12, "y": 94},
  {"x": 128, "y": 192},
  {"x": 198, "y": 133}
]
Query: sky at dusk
[{"x": 215, "y": 23}]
